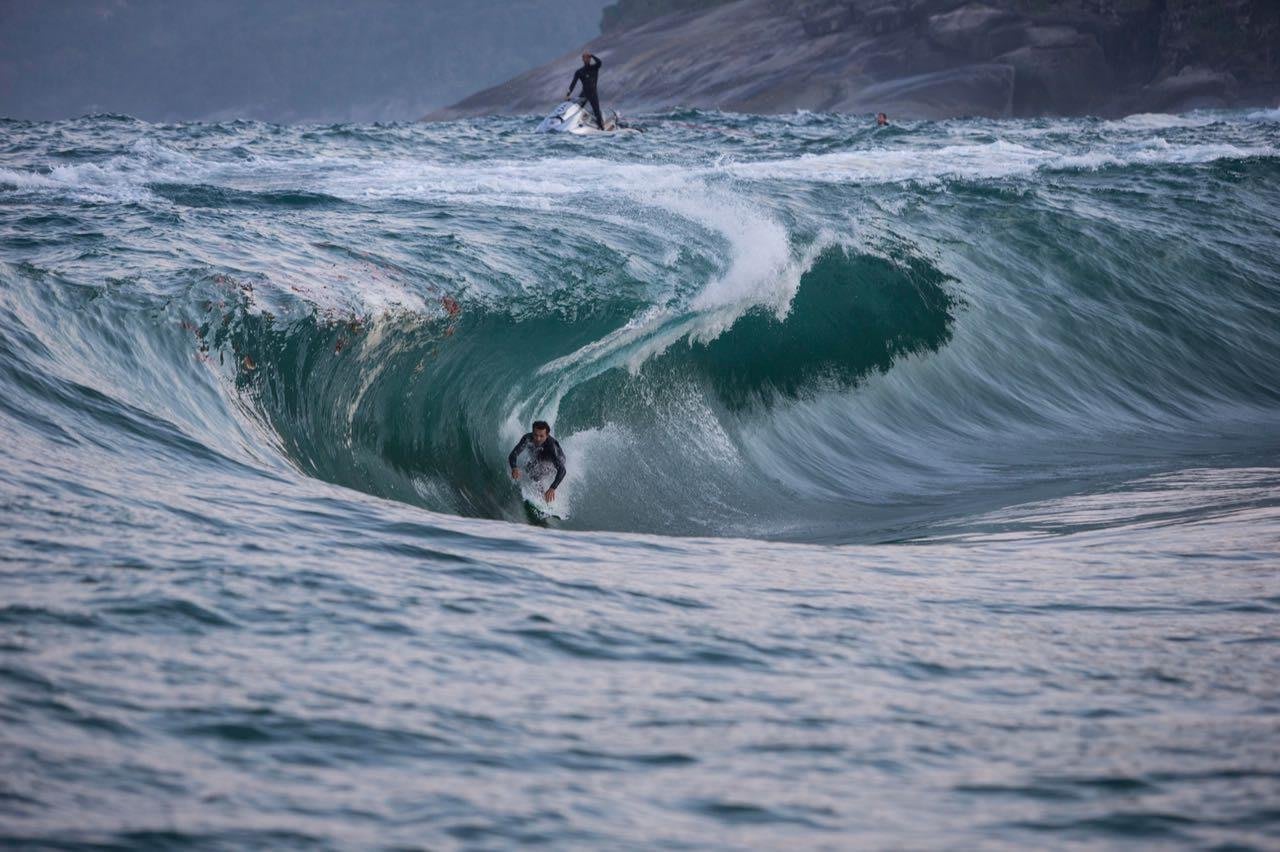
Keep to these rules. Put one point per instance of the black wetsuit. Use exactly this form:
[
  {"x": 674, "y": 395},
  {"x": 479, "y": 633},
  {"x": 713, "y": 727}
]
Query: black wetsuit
[
  {"x": 541, "y": 458},
  {"x": 587, "y": 75}
]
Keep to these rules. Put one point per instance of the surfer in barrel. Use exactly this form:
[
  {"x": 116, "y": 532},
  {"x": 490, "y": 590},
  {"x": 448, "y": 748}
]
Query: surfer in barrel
[{"x": 544, "y": 456}]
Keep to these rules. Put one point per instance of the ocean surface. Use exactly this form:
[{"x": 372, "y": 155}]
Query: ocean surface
[{"x": 923, "y": 491}]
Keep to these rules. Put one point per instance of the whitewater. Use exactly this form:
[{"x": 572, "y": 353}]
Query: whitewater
[{"x": 923, "y": 491}]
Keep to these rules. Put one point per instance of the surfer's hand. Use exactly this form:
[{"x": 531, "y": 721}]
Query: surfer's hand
[
  {"x": 515, "y": 473},
  {"x": 550, "y": 495}
]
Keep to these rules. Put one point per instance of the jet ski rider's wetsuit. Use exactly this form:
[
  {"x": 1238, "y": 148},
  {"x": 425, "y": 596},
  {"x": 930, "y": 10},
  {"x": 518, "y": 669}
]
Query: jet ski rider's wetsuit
[
  {"x": 587, "y": 74},
  {"x": 541, "y": 459}
]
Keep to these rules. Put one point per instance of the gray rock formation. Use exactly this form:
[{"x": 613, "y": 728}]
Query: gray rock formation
[
  {"x": 919, "y": 58},
  {"x": 273, "y": 60}
]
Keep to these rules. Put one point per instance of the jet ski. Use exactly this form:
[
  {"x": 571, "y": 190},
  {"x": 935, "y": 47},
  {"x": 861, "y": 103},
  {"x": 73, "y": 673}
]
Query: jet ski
[{"x": 575, "y": 117}]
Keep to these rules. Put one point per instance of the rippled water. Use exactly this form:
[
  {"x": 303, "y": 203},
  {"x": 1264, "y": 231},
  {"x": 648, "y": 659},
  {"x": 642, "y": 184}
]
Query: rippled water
[{"x": 924, "y": 484}]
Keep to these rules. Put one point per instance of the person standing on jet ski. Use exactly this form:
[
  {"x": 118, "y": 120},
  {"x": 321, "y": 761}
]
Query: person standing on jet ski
[{"x": 587, "y": 75}]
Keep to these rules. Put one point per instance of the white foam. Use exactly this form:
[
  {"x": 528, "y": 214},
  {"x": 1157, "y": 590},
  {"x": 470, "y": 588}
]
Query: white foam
[
  {"x": 1162, "y": 121},
  {"x": 83, "y": 182},
  {"x": 548, "y": 183},
  {"x": 120, "y": 178},
  {"x": 994, "y": 160},
  {"x": 499, "y": 182},
  {"x": 1264, "y": 115}
]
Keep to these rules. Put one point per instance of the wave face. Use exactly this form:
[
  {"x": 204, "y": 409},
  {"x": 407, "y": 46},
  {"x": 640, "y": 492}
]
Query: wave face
[{"x": 790, "y": 328}]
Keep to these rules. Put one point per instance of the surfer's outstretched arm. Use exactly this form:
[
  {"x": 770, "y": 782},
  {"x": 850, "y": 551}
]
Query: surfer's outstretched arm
[{"x": 577, "y": 75}]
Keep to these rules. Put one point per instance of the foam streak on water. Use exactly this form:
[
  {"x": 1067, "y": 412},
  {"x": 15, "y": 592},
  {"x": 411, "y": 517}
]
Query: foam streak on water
[{"x": 924, "y": 484}]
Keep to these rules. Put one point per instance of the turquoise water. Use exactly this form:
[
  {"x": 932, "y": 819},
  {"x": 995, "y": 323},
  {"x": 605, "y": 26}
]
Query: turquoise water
[{"x": 924, "y": 484}]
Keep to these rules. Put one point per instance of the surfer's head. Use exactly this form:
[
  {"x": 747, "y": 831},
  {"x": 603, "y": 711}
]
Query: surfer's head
[
  {"x": 541, "y": 431},
  {"x": 586, "y": 57}
]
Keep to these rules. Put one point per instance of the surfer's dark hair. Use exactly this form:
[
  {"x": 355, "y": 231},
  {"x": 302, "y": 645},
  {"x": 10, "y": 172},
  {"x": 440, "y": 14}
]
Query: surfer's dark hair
[{"x": 543, "y": 425}]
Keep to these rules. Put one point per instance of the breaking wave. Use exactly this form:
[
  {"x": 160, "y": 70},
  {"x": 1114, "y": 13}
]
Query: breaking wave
[{"x": 791, "y": 328}]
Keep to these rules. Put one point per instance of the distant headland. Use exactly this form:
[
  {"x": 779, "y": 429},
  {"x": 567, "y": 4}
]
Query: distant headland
[{"x": 918, "y": 58}]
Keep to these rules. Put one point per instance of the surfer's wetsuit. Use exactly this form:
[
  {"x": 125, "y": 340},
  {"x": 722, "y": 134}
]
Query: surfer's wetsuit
[
  {"x": 587, "y": 75},
  {"x": 541, "y": 458}
]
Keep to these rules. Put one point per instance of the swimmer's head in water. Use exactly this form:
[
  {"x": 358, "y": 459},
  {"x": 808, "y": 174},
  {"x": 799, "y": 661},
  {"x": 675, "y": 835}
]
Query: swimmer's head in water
[{"x": 881, "y": 119}]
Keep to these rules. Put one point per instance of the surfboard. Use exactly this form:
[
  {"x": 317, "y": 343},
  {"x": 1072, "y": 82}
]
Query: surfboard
[{"x": 537, "y": 506}]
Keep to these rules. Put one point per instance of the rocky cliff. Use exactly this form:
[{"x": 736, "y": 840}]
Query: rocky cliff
[{"x": 919, "y": 58}]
